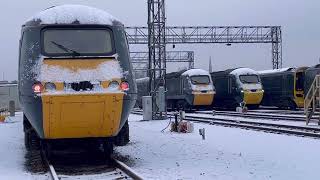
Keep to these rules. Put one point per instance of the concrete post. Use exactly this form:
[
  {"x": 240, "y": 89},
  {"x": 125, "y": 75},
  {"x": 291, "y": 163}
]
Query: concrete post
[
  {"x": 12, "y": 108},
  {"x": 147, "y": 107}
]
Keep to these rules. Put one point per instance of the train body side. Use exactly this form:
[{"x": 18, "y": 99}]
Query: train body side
[
  {"x": 284, "y": 88},
  {"x": 278, "y": 89}
]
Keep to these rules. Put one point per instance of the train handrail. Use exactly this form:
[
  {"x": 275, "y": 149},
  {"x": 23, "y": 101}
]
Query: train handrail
[{"x": 311, "y": 96}]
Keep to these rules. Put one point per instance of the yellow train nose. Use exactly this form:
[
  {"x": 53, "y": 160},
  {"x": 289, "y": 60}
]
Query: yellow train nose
[
  {"x": 81, "y": 116},
  {"x": 203, "y": 99},
  {"x": 253, "y": 98}
]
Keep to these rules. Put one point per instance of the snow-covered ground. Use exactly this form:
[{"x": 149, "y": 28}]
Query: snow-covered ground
[
  {"x": 12, "y": 151},
  {"x": 227, "y": 153}
]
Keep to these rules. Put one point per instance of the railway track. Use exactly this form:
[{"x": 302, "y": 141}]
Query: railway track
[
  {"x": 270, "y": 127},
  {"x": 254, "y": 125},
  {"x": 118, "y": 172},
  {"x": 259, "y": 115}
]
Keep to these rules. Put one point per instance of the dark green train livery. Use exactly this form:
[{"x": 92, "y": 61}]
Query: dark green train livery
[
  {"x": 283, "y": 88},
  {"x": 186, "y": 89},
  {"x": 75, "y": 78},
  {"x": 310, "y": 75},
  {"x": 234, "y": 86}
]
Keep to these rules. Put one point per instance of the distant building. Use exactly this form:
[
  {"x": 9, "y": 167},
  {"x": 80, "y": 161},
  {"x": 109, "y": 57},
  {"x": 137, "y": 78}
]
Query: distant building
[
  {"x": 4, "y": 82},
  {"x": 8, "y": 92}
]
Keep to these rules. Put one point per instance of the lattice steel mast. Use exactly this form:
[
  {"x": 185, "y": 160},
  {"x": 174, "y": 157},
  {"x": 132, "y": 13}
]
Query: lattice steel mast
[{"x": 157, "y": 54}]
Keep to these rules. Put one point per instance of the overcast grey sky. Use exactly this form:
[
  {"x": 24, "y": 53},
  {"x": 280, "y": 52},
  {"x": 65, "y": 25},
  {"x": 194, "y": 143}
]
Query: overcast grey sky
[{"x": 298, "y": 18}]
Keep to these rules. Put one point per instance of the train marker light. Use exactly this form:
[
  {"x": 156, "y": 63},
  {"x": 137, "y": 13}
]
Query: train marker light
[
  {"x": 124, "y": 86},
  {"x": 37, "y": 88}
]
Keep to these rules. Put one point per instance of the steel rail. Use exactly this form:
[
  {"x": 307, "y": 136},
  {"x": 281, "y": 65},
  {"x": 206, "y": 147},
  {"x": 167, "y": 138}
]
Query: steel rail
[
  {"x": 282, "y": 128},
  {"x": 126, "y": 169},
  {"x": 121, "y": 171},
  {"x": 270, "y": 127},
  {"x": 258, "y": 115}
]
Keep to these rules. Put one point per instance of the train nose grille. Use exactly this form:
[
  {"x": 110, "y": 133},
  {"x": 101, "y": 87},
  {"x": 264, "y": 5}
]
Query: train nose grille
[
  {"x": 253, "y": 90},
  {"x": 83, "y": 85},
  {"x": 203, "y": 91}
]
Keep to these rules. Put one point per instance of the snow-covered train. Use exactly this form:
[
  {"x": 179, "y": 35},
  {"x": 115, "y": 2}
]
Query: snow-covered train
[
  {"x": 75, "y": 79},
  {"x": 284, "y": 88},
  {"x": 186, "y": 89},
  {"x": 310, "y": 74},
  {"x": 235, "y": 86}
]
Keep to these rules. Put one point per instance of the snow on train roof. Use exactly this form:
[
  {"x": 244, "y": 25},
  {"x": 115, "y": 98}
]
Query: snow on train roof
[
  {"x": 275, "y": 70},
  {"x": 242, "y": 71},
  {"x": 195, "y": 72},
  {"x": 68, "y": 14}
]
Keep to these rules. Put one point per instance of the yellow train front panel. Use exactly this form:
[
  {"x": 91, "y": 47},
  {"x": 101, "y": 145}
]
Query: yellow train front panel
[
  {"x": 299, "y": 98},
  {"x": 252, "y": 98},
  {"x": 203, "y": 99},
  {"x": 81, "y": 116}
]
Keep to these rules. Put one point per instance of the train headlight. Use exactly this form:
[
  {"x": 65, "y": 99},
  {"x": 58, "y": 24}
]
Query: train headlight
[
  {"x": 114, "y": 85},
  {"x": 124, "y": 86},
  {"x": 50, "y": 86},
  {"x": 37, "y": 88}
]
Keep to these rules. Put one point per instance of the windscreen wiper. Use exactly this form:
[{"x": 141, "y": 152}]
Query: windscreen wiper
[{"x": 68, "y": 50}]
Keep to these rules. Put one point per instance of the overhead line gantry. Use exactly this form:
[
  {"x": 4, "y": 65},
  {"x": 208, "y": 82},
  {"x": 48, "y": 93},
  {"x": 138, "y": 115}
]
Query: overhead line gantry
[{"x": 217, "y": 35}]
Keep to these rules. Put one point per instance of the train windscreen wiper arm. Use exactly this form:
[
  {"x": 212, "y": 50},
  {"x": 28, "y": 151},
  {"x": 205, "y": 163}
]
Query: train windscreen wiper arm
[{"x": 75, "y": 53}]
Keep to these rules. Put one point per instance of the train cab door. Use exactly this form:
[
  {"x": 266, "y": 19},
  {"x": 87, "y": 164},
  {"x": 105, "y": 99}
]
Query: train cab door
[
  {"x": 185, "y": 84},
  {"x": 181, "y": 85},
  {"x": 231, "y": 85}
]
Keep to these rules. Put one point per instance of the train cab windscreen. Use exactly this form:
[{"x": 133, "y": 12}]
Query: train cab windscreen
[
  {"x": 75, "y": 42},
  {"x": 200, "y": 79},
  {"x": 300, "y": 81},
  {"x": 249, "y": 79}
]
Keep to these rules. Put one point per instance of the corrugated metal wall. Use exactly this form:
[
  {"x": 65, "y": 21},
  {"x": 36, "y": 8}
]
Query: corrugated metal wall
[{"x": 9, "y": 92}]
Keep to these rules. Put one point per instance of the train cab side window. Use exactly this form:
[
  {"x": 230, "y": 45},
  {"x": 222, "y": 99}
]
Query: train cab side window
[{"x": 186, "y": 83}]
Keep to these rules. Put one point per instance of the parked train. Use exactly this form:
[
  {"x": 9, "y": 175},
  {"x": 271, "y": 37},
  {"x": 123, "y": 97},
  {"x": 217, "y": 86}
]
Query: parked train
[
  {"x": 310, "y": 74},
  {"x": 235, "y": 86},
  {"x": 186, "y": 89},
  {"x": 284, "y": 88},
  {"x": 75, "y": 79}
]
